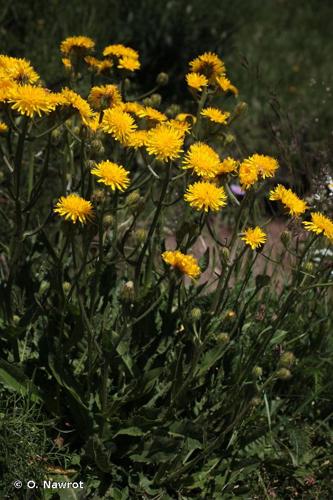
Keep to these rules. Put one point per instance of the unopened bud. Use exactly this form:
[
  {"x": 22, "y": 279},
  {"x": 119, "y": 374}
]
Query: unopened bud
[
  {"x": 229, "y": 138},
  {"x": 225, "y": 255},
  {"x": 308, "y": 267},
  {"x": 56, "y": 134},
  {"x": 127, "y": 84},
  {"x": 44, "y": 286},
  {"x": 156, "y": 100},
  {"x": 285, "y": 238},
  {"x": 140, "y": 235},
  {"x": 162, "y": 79},
  {"x": 108, "y": 220},
  {"x": 255, "y": 402},
  {"x": 230, "y": 314},
  {"x": 283, "y": 373},
  {"x": 240, "y": 109},
  {"x": 66, "y": 286},
  {"x": 98, "y": 195},
  {"x": 224, "y": 338},
  {"x": 257, "y": 372},
  {"x": 147, "y": 101},
  {"x": 172, "y": 110},
  {"x": 287, "y": 359},
  {"x": 196, "y": 314},
  {"x": 127, "y": 292},
  {"x": 97, "y": 147},
  {"x": 133, "y": 199},
  {"x": 16, "y": 319}
]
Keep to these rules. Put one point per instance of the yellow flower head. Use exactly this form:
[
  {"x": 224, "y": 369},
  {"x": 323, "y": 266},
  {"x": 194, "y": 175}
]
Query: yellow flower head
[
  {"x": 225, "y": 85},
  {"x": 205, "y": 196},
  {"x": 3, "y": 128},
  {"x": 30, "y": 101},
  {"x": 208, "y": 64},
  {"x": 79, "y": 44},
  {"x": 215, "y": 115},
  {"x": 5, "y": 86},
  {"x": 202, "y": 159},
  {"x": 129, "y": 63},
  {"x": 320, "y": 224},
  {"x": 118, "y": 123},
  {"x": 186, "y": 264},
  {"x": 75, "y": 208},
  {"x": 266, "y": 165},
  {"x": 119, "y": 50},
  {"x": 67, "y": 63},
  {"x": 254, "y": 237},
  {"x": 164, "y": 142},
  {"x": 133, "y": 107},
  {"x": 137, "y": 139},
  {"x": 290, "y": 200},
  {"x": 248, "y": 173},
  {"x": 69, "y": 98},
  {"x": 104, "y": 96},
  {"x": 196, "y": 81},
  {"x": 18, "y": 70},
  {"x": 151, "y": 114},
  {"x": 183, "y": 126},
  {"x": 112, "y": 175},
  {"x": 97, "y": 65},
  {"x": 227, "y": 166}
]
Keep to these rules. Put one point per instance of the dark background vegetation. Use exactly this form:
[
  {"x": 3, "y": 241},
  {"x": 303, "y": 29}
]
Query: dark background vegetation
[{"x": 278, "y": 53}]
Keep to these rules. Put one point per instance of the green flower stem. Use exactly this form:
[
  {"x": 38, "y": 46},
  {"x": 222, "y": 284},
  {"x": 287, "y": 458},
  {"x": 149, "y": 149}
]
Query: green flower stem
[{"x": 152, "y": 227}]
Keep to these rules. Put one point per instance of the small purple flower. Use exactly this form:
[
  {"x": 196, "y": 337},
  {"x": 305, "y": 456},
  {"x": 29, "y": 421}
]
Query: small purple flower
[{"x": 237, "y": 190}]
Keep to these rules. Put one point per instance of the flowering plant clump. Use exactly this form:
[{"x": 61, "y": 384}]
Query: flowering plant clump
[{"x": 164, "y": 372}]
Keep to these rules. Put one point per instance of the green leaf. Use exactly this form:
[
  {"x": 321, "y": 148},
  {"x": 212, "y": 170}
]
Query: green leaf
[
  {"x": 12, "y": 377},
  {"x": 210, "y": 358},
  {"x": 65, "y": 379},
  {"x": 130, "y": 431}
]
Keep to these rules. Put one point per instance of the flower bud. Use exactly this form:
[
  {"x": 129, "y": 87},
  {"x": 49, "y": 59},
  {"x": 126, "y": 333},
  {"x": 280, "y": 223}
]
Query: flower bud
[
  {"x": 308, "y": 267},
  {"x": 133, "y": 199},
  {"x": 127, "y": 292},
  {"x": 98, "y": 195},
  {"x": 285, "y": 238},
  {"x": 56, "y": 134},
  {"x": 140, "y": 235},
  {"x": 172, "y": 110},
  {"x": 66, "y": 286},
  {"x": 240, "y": 109},
  {"x": 97, "y": 147},
  {"x": 2, "y": 176},
  {"x": 225, "y": 255},
  {"x": 16, "y": 319},
  {"x": 108, "y": 220},
  {"x": 156, "y": 100},
  {"x": 44, "y": 286},
  {"x": 283, "y": 373},
  {"x": 127, "y": 84},
  {"x": 257, "y": 371},
  {"x": 230, "y": 314},
  {"x": 224, "y": 338},
  {"x": 229, "y": 138},
  {"x": 287, "y": 359},
  {"x": 196, "y": 314},
  {"x": 162, "y": 79},
  {"x": 147, "y": 101},
  {"x": 255, "y": 402}
]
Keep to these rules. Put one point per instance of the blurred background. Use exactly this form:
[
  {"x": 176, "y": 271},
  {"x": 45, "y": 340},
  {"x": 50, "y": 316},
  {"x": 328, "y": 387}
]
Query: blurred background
[{"x": 277, "y": 52}]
